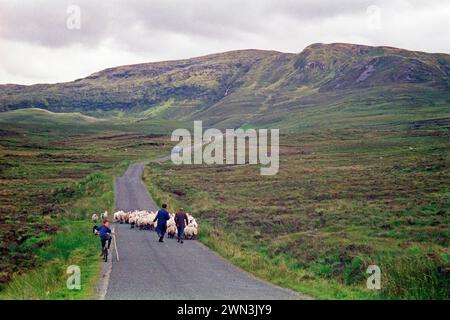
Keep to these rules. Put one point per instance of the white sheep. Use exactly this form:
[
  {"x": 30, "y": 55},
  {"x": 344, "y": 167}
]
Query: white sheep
[
  {"x": 104, "y": 215},
  {"x": 171, "y": 222},
  {"x": 132, "y": 221},
  {"x": 171, "y": 231},
  {"x": 125, "y": 216},
  {"x": 152, "y": 216},
  {"x": 143, "y": 220},
  {"x": 190, "y": 232},
  {"x": 119, "y": 216},
  {"x": 191, "y": 221},
  {"x": 94, "y": 218},
  {"x": 133, "y": 218}
]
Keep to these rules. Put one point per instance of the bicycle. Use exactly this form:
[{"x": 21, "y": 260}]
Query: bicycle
[
  {"x": 105, "y": 243},
  {"x": 105, "y": 252}
]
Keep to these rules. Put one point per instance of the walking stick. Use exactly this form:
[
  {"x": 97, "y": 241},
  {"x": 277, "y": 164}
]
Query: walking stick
[{"x": 115, "y": 247}]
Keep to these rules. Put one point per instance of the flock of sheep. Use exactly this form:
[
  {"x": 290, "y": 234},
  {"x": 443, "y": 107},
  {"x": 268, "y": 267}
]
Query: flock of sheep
[{"x": 143, "y": 220}]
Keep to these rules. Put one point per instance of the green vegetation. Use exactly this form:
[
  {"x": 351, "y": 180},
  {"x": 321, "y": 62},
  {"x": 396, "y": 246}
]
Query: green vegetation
[
  {"x": 344, "y": 199},
  {"x": 230, "y": 89},
  {"x": 188, "y": 84},
  {"x": 72, "y": 245},
  {"x": 363, "y": 176},
  {"x": 55, "y": 172}
]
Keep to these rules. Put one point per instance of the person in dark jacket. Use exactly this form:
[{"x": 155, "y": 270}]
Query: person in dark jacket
[
  {"x": 181, "y": 221},
  {"x": 162, "y": 216}
]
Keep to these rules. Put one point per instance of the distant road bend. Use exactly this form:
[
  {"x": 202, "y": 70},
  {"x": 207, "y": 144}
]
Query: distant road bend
[{"x": 151, "y": 270}]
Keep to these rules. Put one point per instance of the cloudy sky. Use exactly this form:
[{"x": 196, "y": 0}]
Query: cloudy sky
[{"x": 58, "y": 40}]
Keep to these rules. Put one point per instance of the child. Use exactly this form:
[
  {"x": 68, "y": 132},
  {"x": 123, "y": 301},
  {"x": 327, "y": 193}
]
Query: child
[{"x": 105, "y": 234}]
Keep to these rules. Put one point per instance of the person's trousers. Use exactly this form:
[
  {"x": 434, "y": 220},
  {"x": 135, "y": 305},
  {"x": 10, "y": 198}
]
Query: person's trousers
[
  {"x": 104, "y": 241},
  {"x": 161, "y": 231},
  {"x": 180, "y": 231}
]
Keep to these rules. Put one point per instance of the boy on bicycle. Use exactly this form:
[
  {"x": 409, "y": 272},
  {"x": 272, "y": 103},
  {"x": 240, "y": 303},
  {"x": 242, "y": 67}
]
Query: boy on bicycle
[{"x": 105, "y": 234}]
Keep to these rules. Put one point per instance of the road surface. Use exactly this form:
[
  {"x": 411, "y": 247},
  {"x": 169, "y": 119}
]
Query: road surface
[{"x": 151, "y": 270}]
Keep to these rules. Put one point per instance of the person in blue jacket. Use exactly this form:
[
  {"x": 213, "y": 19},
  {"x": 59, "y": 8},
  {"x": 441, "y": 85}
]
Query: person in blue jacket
[
  {"x": 162, "y": 216},
  {"x": 104, "y": 232}
]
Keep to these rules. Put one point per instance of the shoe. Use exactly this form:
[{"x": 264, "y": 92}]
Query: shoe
[
  {"x": 181, "y": 241},
  {"x": 161, "y": 239},
  {"x": 178, "y": 239}
]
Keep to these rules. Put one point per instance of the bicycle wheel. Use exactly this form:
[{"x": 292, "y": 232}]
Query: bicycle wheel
[{"x": 105, "y": 254}]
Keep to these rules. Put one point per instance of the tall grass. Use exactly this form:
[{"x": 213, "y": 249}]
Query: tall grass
[
  {"x": 348, "y": 200},
  {"x": 281, "y": 270},
  {"x": 415, "y": 276},
  {"x": 73, "y": 244}
]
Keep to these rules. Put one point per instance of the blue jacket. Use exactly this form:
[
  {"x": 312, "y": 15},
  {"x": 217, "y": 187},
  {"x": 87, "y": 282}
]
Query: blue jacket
[
  {"x": 162, "y": 216},
  {"x": 105, "y": 232}
]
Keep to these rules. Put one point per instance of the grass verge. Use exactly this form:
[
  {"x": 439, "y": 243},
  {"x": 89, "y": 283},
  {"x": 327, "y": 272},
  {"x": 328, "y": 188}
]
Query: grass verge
[{"x": 72, "y": 244}]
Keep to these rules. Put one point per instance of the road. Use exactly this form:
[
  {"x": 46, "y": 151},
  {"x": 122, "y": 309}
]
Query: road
[{"x": 151, "y": 270}]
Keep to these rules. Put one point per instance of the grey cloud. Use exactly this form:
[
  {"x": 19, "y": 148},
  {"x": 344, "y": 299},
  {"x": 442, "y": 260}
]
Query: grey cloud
[
  {"x": 44, "y": 22},
  {"x": 130, "y": 31},
  {"x": 314, "y": 10}
]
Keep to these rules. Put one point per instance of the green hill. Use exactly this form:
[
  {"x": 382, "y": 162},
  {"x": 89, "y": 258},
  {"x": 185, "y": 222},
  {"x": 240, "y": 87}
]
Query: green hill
[{"x": 255, "y": 87}]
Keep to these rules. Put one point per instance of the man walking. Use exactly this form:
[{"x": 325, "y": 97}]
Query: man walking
[
  {"x": 181, "y": 220},
  {"x": 162, "y": 216}
]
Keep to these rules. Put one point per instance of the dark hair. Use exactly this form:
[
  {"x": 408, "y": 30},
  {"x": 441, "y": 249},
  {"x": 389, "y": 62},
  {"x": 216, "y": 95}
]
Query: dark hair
[{"x": 164, "y": 205}]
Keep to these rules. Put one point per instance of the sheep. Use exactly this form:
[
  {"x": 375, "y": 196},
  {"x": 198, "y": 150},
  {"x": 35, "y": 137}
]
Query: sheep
[
  {"x": 190, "y": 232},
  {"x": 124, "y": 218},
  {"x": 192, "y": 229},
  {"x": 152, "y": 216},
  {"x": 171, "y": 231},
  {"x": 191, "y": 221},
  {"x": 143, "y": 220},
  {"x": 119, "y": 216},
  {"x": 104, "y": 215},
  {"x": 132, "y": 221},
  {"x": 171, "y": 222},
  {"x": 140, "y": 222},
  {"x": 94, "y": 218}
]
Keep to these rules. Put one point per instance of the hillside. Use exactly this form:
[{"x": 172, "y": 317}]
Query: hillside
[
  {"x": 191, "y": 82},
  {"x": 253, "y": 86}
]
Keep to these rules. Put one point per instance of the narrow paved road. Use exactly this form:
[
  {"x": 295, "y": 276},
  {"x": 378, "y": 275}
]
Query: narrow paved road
[{"x": 151, "y": 270}]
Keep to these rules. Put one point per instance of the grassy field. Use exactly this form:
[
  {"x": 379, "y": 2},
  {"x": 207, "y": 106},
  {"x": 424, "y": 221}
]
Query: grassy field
[
  {"x": 55, "y": 172},
  {"x": 348, "y": 194},
  {"x": 343, "y": 199}
]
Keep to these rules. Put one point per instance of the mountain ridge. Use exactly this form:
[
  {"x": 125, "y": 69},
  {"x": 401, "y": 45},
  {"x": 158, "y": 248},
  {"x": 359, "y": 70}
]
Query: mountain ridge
[{"x": 245, "y": 86}]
